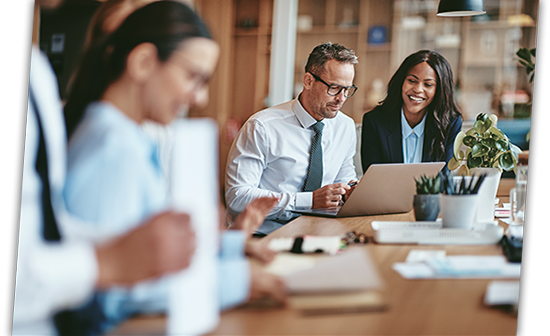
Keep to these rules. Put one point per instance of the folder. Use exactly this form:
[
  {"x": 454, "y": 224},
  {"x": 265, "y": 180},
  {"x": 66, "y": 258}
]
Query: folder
[{"x": 341, "y": 284}]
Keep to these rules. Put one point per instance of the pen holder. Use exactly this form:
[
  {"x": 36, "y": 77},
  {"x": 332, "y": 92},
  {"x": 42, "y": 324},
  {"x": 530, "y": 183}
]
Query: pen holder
[{"x": 458, "y": 211}]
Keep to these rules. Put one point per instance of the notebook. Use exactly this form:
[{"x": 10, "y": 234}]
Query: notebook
[
  {"x": 341, "y": 284},
  {"x": 384, "y": 189}
]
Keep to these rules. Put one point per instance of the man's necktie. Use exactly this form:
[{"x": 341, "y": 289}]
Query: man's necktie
[
  {"x": 50, "y": 231},
  {"x": 85, "y": 320},
  {"x": 315, "y": 170}
]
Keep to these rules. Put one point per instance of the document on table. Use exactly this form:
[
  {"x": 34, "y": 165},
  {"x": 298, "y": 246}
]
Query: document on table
[
  {"x": 502, "y": 293},
  {"x": 351, "y": 270},
  {"x": 322, "y": 284},
  {"x": 459, "y": 267}
]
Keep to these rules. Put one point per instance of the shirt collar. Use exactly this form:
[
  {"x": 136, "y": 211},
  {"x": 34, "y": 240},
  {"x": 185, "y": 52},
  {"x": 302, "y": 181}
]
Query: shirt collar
[
  {"x": 140, "y": 139},
  {"x": 305, "y": 119},
  {"x": 406, "y": 129}
]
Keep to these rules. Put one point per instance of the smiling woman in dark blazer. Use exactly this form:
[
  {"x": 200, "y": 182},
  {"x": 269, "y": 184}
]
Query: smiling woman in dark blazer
[{"x": 418, "y": 120}]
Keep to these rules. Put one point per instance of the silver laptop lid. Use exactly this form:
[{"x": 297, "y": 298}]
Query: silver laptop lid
[{"x": 387, "y": 188}]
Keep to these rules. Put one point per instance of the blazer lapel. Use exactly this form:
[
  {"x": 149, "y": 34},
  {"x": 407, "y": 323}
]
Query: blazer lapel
[
  {"x": 394, "y": 140},
  {"x": 429, "y": 134}
]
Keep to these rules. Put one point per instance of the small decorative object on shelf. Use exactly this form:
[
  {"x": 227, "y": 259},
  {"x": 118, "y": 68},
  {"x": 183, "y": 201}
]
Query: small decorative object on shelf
[
  {"x": 426, "y": 200},
  {"x": 248, "y": 23},
  {"x": 377, "y": 35}
]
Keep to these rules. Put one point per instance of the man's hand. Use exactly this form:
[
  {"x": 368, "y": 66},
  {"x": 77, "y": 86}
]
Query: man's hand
[
  {"x": 329, "y": 195},
  {"x": 163, "y": 244},
  {"x": 266, "y": 285},
  {"x": 254, "y": 215},
  {"x": 352, "y": 184}
]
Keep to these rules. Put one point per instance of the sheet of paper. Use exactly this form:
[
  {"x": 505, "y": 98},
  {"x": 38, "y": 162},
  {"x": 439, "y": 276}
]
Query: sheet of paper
[
  {"x": 353, "y": 269},
  {"x": 281, "y": 244},
  {"x": 459, "y": 267},
  {"x": 310, "y": 244},
  {"x": 506, "y": 220},
  {"x": 515, "y": 231},
  {"x": 502, "y": 213},
  {"x": 502, "y": 293},
  {"x": 287, "y": 263},
  {"x": 422, "y": 255},
  {"x": 467, "y": 263},
  {"x": 414, "y": 270}
]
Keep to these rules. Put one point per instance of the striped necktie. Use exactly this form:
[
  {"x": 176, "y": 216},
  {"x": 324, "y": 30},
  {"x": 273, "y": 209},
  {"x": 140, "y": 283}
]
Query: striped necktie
[{"x": 315, "y": 170}]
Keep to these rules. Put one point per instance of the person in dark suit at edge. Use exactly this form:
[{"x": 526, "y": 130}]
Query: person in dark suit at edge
[{"x": 419, "y": 118}]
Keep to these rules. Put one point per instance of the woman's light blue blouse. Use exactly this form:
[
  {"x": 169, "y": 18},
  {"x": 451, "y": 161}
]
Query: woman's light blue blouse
[
  {"x": 413, "y": 140},
  {"x": 115, "y": 181}
]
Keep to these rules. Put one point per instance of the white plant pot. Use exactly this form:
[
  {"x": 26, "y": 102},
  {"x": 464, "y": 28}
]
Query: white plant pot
[
  {"x": 458, "y": 211},
  {"x": 487, "y": 193}
]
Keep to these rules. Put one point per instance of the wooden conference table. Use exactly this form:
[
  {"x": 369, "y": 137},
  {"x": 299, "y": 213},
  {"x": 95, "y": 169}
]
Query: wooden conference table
[{"x": 414, "y": 307}]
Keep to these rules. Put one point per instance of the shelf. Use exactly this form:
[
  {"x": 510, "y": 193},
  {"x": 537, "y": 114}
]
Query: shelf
[
  {"x": 490, "y": 64},
  {"x": 246, "y": 31},
  {"x": 501, "y": 24},
  {"x": 252, "y": 32},
  {"x": 386, "y": 47},
  {"x": 330, "y": 30}
]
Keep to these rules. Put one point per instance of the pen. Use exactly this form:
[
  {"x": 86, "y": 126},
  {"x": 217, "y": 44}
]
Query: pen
[{"x": 351, "y": 184}]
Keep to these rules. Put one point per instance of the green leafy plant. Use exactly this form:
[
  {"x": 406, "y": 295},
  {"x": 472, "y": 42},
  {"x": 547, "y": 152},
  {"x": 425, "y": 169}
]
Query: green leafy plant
[
  {"x": 428, "y": 185},
  {"x": 527, "y": 59},
  {"x": 485, "y": 146}
]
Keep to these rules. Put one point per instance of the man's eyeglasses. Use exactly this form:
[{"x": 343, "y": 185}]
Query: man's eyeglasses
[{"x": 335, "y": 89}]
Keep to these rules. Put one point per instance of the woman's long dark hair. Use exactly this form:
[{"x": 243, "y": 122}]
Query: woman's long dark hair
[
  {"x": 166, "y": 24},
  {"x": 443, "y": 107}
]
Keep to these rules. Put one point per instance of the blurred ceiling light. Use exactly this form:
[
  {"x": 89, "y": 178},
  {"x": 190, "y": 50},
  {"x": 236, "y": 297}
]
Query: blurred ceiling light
[
  {"x": 522, "y": 20},
  {"x": 454, "y": 8}
]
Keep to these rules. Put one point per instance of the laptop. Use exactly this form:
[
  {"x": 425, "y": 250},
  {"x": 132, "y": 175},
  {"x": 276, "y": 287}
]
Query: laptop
[{"x": 384, "y": 189}]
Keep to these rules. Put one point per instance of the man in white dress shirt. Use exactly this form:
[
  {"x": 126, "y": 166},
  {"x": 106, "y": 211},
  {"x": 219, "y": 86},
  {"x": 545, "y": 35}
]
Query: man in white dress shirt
[{"x": 276, "y": 150}]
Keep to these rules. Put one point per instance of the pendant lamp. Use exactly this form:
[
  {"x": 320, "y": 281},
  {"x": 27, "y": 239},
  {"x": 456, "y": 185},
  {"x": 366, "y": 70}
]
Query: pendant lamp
[{"x": 460, "y": 7}]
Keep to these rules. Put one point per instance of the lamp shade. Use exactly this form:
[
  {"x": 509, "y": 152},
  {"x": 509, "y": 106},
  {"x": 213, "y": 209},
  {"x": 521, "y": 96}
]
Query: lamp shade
[{"x": 460, "y": 7}]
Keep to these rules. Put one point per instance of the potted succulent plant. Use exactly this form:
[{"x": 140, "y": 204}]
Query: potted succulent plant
[
  {"x": 426, "y": 200},
  {"x": 484, "y": 149}
]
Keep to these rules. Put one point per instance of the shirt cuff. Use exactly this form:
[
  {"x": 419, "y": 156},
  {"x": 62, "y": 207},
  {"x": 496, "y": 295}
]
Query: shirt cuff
[
  {"x": 71, "y": 271},
  {"x": 234, "y": 282},
  {"x": 304, "y": 200}
]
